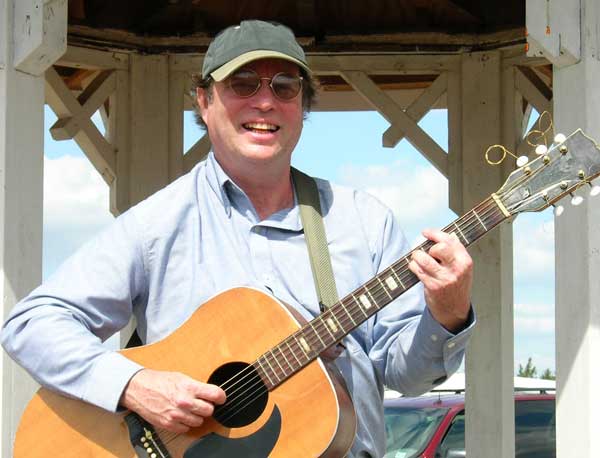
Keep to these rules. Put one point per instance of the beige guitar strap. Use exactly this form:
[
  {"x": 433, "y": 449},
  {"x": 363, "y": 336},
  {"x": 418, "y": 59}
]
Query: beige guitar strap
[{"x": 316, "y": 240}]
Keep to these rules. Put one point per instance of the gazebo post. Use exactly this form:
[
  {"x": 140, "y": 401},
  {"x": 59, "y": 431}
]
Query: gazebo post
[
  {"x": 573, "y": 48},
  {"x": 482, "y": 110},
  {"x": 25, "y": 53}
]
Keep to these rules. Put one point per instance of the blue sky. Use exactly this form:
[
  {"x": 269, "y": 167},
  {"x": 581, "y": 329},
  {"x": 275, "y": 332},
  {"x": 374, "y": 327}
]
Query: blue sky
[{"x": 344, "y": 147}]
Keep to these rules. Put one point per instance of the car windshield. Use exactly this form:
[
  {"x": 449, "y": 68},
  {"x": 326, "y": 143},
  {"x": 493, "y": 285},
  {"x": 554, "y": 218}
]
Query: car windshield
[{"x": 408, "y": 430}]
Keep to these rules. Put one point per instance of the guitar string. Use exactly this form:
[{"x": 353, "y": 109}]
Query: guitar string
[
  {"x": 378, "y": 290},
  {"x": 374, "y": 290},
  {"x": 286, "y": 354},
  {"x": 259, "y": 386}
]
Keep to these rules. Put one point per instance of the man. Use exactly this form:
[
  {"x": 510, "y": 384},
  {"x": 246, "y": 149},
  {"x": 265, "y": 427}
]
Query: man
[{"x": 234, "y": 221}]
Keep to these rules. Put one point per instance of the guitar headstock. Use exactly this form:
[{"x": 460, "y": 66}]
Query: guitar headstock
[{"x": 565, "y": 167}]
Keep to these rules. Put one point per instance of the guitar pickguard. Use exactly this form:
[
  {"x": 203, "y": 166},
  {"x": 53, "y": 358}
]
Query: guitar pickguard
[{"x": 257, "y": 445}]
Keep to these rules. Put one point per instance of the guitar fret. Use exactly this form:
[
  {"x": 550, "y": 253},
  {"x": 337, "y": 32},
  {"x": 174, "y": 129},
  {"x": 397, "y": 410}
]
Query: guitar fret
[
  {"x": 277, "y": 361},
  {"x": 398, "y": 278},
  {"x": 293, "y": 353},
  {"x": 384, "y": 288},
  {"x": 461, "y": 234},
  {"x": 270, "y": 367},
  {"x": 479, "y": 219},
  {"x": 372, "y": 298},
  {"x": 334, "y": 316},
  {"x": 285, "y": 358},
  {"x": 359, "y": 303},
  {"x": 305, "y": 347},
  {"x": 328, "y": 330},
  {"x": 264, "y": 371},
  {"x": 316, "y": 333},
  {"x": 348, "y": 313}
]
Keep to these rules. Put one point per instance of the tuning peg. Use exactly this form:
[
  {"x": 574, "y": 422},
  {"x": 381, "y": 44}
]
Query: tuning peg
[
  {"x": 541, "y": 149},
  {"x": 558, "y": 210},
  {"x": 595, "y": 190},
  {"x": 576, "y": 200},
  {"x": 559, "y": 138},
  {"x": 522, "y": 160}
]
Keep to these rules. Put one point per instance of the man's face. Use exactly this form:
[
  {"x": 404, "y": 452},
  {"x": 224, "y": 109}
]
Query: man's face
[{"x": 260, "y": 128}]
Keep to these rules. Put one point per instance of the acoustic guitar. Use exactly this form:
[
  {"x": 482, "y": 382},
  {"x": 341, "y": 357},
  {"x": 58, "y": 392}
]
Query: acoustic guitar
[{"x": 283, "y": 400}]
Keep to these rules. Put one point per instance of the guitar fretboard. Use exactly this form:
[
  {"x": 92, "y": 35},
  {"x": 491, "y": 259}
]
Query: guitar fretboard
[{"x": 330, "y": 327}]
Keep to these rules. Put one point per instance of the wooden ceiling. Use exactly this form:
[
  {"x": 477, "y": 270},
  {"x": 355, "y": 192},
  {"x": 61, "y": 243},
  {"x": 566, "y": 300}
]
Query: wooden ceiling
[{"x": 415, "y": 26}]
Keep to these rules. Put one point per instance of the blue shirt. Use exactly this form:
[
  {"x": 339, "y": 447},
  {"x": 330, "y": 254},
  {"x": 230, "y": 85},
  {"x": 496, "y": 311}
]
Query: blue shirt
[{"x": 200, "y": 236}]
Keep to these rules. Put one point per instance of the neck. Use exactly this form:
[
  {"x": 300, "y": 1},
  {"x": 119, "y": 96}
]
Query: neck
[{"x": 269, "y": 188}]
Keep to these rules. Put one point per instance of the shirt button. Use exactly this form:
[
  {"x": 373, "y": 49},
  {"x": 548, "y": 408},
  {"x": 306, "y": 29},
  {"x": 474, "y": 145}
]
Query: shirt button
[
  {"x": 451, "y": 345},
  {"x": 434, "y": 337}
]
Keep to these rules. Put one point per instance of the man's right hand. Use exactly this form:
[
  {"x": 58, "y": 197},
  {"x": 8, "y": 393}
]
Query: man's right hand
[{"x": 171, "y": 400}]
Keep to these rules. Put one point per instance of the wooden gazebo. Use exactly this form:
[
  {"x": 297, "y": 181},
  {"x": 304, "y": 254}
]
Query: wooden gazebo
[{"x": 487, "y": 63}]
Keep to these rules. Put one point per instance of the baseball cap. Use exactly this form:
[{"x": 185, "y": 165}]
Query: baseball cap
[{"x": 251, "y": 40}]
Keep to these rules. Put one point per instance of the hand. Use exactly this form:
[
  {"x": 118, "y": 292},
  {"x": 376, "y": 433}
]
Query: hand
[
  {"x": 447, "y": 275},
  {"x": 171, "y": 400}
]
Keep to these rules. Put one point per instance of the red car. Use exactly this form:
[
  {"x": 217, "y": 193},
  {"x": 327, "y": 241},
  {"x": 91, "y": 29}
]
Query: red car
[{"x": 433, "y": 426}]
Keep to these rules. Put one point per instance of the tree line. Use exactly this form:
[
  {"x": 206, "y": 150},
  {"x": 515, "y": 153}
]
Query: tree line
[{"x": 531, "y": 371}]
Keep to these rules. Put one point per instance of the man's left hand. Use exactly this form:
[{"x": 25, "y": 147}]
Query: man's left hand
[{"x": 446, "y": 272}]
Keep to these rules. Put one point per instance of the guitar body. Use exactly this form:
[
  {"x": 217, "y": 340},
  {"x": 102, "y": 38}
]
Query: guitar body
[{"x": 308, "y": 415}]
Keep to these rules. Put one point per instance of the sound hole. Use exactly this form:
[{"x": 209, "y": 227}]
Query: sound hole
[{"x": 246, "y": 393}]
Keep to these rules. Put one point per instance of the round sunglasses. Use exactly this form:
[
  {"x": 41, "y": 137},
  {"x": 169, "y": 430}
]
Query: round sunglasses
[{"x": 246, "y": 83}]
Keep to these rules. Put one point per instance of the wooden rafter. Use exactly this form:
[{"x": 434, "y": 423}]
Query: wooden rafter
[
  {"x": 74, "y": 119},
  {"x": 395, "y": 115},
  {"x": 419, "y": 108}
]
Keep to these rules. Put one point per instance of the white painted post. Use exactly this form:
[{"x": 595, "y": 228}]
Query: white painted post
[
  {"x": 482, "y": 112},
  {"x": 24, "y": 56},
  {"x": 577, "y": 242}
]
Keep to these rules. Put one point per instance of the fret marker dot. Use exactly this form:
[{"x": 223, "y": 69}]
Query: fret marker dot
[
  {"x": 391, "y": 283},
  {"x": 364, "y": 301}
]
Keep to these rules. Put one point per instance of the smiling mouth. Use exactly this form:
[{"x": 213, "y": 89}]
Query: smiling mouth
[{"x": 260, "y": 127}]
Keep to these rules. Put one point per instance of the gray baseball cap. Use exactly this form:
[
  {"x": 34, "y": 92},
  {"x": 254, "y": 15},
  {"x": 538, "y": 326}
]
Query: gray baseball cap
[{"x": 251, "y": 40}]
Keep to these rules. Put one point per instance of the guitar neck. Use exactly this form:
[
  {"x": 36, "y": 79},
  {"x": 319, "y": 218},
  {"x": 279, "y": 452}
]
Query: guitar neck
[{"x": 331, "y": 326}]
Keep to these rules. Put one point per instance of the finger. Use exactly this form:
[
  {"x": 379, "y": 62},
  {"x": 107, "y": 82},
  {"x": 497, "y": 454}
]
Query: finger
[
  {"x": 443, "y": 253},
  {"x": 425, "y": 263},
  {"x": 202, "y": 408},
  {"x": 208, "y": 392}
]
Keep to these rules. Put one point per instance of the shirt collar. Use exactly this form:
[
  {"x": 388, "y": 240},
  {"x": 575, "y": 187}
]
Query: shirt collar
[{"x": 219, "y": 182}]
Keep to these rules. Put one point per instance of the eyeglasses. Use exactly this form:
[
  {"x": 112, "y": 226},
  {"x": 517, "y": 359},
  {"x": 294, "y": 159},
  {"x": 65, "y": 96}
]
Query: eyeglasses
[{"x": 246, "y": 83}]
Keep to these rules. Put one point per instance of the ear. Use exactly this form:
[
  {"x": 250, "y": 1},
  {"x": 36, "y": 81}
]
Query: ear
[{"x": 202, "y": 100}]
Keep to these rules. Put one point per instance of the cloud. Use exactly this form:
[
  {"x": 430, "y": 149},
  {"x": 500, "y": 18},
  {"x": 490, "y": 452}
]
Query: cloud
[
  {"x": 418, "y": 195},
  {"x": 534, "y": 250},
  {"x": 76, "y": 201},
  {"x": 535, "y": 319}
]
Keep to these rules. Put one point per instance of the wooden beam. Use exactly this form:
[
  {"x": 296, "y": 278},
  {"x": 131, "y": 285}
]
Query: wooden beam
[
  {"x": 395, "y": 115},
  {"x": 39, "y": 34},
  {"x": 92, "y": 98},
  {"x": 535, "y": 91},
  {"x": 100, "y": 153},
  {"x": 79, "y": 57},
  {"x": 328, "y": 64},
  {"x": 196, "y": 153},
  {"x": 419, "y": 108}
]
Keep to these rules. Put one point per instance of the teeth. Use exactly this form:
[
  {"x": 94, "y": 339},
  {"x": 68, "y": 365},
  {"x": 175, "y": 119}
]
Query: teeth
[{"x": 261, "y": 126}]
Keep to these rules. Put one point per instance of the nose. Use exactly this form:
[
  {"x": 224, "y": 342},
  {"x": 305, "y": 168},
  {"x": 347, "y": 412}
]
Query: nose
[{"x": 264, "y": 99}]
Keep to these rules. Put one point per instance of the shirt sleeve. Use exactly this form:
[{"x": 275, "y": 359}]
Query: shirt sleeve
[
  {"x": 56, "y": 332},
  {"x": 410, "y": 350}
]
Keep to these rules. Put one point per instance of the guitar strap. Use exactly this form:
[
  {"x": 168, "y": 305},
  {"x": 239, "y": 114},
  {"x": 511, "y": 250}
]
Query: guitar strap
[{"x": 316, "y": 241}]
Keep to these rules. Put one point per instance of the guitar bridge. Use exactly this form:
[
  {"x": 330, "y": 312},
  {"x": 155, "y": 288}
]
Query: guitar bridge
[{"x": 144, "y": 439}]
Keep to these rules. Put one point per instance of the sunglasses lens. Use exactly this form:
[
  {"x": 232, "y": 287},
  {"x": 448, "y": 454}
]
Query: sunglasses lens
[
  {"x": 244, "y": 83},
  {"x": 285, "y": 86}
]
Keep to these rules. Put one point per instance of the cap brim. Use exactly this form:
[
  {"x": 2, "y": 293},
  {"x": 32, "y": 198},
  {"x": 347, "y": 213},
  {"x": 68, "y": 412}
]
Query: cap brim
[{"x": 227, "y": 69}]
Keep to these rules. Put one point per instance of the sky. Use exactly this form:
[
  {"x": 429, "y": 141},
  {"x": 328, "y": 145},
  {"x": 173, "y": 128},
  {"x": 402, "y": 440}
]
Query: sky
[{"x": 344, "y": 147}]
